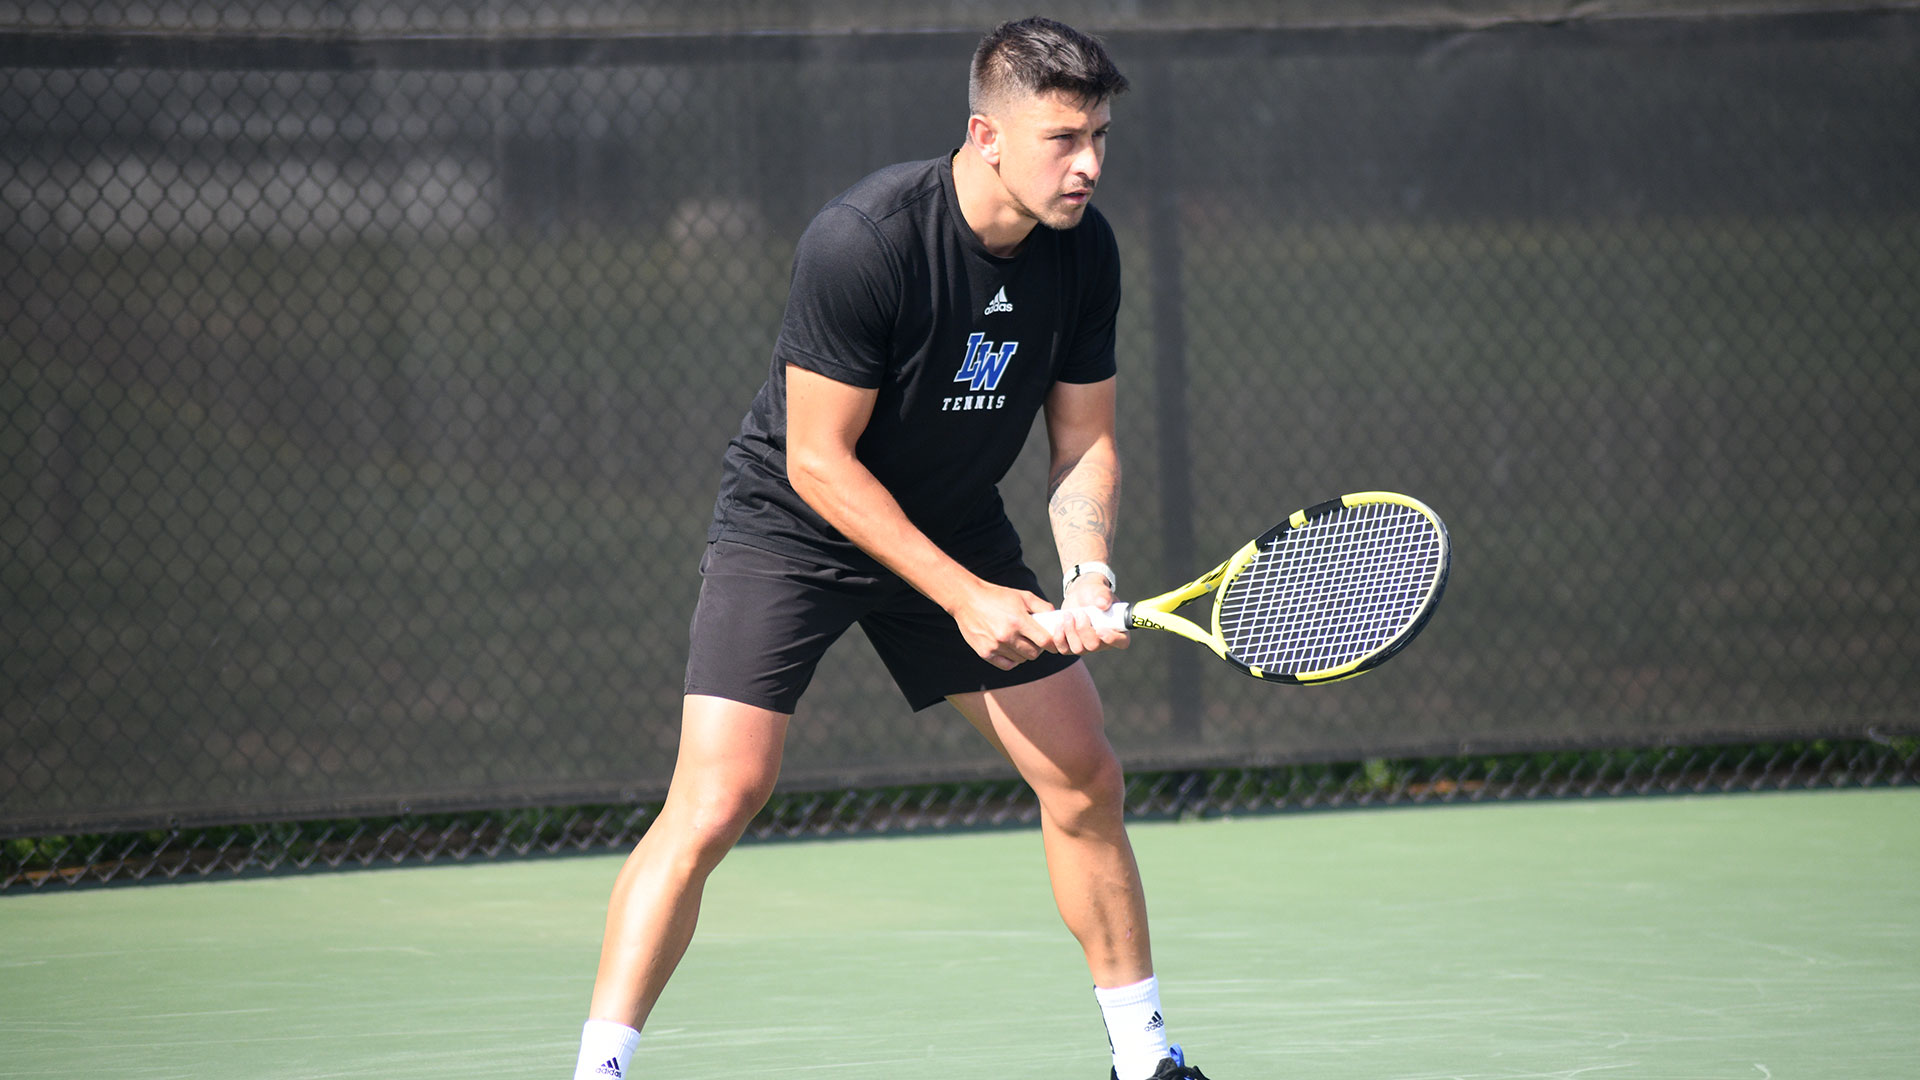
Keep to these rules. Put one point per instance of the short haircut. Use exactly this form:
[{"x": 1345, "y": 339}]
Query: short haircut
[{"x": 1037, "y": 55}]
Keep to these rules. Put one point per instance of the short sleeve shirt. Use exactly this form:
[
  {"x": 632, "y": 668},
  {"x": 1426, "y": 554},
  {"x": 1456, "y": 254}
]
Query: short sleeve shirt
[{"x": 892, "y": 291}]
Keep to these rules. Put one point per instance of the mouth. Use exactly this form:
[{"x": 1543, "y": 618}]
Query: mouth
[{"x": 1078, "y": 197}]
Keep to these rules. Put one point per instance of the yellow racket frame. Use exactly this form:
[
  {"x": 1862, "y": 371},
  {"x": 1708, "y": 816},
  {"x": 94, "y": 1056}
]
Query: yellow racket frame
[{"x": 1157, "y": 613}]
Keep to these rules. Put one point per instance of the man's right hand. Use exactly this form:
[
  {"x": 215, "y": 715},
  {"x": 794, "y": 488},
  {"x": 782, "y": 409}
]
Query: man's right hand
[{"x": 998, "y": 624}]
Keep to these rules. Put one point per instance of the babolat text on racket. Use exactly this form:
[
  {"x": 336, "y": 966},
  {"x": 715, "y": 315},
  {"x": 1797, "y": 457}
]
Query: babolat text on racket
[{"x": 1334, "y": 590}]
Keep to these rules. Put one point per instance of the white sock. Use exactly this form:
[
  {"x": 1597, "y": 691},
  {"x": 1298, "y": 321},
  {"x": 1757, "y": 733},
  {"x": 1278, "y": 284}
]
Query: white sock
[
  {"x": 1134, "y": 1027},
  {"x": 605, "y": 1050}
]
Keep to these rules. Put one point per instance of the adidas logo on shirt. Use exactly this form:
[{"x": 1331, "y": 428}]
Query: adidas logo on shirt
[
  {"x": 609, "y": 1067},
  {"x": 999, "y": 303}
]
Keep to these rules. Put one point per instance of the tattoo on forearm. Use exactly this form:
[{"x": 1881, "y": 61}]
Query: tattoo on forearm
[{"x": 1082, "y": 499}]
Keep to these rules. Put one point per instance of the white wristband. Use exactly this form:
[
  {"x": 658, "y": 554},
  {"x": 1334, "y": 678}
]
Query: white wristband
[{"x": 1073, "y": 574}]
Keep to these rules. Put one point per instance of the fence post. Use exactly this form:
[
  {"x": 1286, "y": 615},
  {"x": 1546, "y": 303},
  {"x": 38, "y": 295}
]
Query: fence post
[{"x": 1174, "y": 456}]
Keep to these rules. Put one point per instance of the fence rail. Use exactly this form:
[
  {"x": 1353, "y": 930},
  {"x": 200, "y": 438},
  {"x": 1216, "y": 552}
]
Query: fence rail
[{"x": 286, "y": 847}]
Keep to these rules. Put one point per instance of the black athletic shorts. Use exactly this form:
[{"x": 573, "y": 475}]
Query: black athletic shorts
[{"x": 764, "y": 620}]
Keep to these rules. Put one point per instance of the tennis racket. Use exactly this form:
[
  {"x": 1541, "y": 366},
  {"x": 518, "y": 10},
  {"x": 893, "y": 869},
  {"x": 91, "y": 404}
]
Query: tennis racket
[{"x": 1334, "y": 590}]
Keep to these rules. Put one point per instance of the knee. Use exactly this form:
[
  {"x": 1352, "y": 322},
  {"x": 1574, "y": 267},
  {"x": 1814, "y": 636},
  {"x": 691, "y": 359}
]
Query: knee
[
  {"x": 704, "y": 825},
  {"x": 1091, "y": 796},
  {"x": 720, "y": 816}
]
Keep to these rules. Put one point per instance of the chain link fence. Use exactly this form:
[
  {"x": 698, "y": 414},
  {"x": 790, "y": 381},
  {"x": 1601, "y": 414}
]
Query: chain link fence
[
  {"x": 367, "y": 368},
  {"x": 175, "y": 852}
]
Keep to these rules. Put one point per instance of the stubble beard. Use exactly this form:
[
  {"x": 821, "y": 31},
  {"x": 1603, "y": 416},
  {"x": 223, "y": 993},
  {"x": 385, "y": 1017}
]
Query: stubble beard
[{"x": 1058, "y": 216}]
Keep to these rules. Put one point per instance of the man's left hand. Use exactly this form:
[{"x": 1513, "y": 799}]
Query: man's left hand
[{"x": 1077, "y": 636}]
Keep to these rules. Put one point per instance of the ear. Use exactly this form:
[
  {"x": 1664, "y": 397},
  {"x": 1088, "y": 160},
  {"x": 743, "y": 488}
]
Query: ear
[{"x": 984, "y": 134}]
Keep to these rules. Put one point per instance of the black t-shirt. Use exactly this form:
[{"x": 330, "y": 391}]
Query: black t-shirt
[{"x": 892, "y": 291}]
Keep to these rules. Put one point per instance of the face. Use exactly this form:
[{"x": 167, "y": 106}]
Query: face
[{"x": 1048, "y": 149}]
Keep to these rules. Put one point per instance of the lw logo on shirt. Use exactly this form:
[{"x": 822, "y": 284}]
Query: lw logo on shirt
[
  {"x": 981, "y": 371},
  {"x": 984, "y": 363}
]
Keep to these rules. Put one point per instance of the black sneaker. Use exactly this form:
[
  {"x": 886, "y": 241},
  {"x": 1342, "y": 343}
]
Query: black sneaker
[{"x": 1173, "y": 1067}]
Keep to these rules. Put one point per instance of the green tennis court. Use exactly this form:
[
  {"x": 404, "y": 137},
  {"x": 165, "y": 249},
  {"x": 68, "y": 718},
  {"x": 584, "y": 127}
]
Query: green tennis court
[{"x": 1720, "y": 936}]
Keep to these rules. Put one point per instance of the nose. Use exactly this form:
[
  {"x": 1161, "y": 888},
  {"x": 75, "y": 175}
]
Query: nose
[{"x": 1087, "y": 162}]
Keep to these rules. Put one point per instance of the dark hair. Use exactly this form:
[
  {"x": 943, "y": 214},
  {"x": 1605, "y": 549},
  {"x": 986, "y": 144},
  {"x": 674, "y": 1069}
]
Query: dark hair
[{"x": 1037, "y": 55}]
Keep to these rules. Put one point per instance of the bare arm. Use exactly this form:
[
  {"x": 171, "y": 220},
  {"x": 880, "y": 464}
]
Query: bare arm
[
  {"x": 824, "y": 422},
  {"x": 1083, "y": 498}
]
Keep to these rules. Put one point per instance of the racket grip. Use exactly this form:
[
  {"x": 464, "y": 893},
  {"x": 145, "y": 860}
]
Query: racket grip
[{"x": 1113, "y": 618}]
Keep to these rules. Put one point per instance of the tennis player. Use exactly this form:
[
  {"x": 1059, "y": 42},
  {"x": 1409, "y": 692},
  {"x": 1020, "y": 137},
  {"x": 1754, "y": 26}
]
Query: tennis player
[{"x": 936, "y": 308}]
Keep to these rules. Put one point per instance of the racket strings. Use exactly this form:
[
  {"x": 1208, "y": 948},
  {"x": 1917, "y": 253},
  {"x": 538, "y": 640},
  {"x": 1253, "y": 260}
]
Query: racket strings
[{"x": 1332, "y": 591}]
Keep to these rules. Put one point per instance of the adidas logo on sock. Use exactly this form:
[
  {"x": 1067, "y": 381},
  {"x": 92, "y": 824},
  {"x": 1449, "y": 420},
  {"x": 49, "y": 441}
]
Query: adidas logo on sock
[
  {"x": 609, "y": 1067},
  {"x": 1156, "y": 1023}
]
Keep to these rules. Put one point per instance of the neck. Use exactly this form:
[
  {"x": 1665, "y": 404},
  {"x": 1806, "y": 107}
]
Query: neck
[{"x": 990, "y": 213}]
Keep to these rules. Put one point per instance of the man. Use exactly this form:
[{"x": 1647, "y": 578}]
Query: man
[{"x": 936, "y": 307}]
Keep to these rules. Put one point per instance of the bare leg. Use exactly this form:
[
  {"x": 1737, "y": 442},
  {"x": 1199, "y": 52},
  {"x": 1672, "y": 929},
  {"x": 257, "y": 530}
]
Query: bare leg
[
  {"x": 728, "y": 762},
  {"x": 1054, "y": 732}
]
